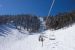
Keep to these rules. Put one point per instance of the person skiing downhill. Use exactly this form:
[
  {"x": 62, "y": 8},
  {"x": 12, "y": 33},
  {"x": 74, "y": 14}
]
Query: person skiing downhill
[{"x": 41, "y": 39}]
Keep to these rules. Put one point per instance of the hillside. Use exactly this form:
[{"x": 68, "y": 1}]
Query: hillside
[
  {"x": 23, "y": 32},
  {"x": 16, "y": 40}
]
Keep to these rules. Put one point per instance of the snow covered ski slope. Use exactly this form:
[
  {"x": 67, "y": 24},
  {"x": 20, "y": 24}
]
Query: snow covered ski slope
[{"x": 16, "y": 40}]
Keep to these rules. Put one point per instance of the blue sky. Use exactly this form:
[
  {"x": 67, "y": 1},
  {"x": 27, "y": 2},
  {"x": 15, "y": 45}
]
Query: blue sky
[{"x": 35, "y": 7}]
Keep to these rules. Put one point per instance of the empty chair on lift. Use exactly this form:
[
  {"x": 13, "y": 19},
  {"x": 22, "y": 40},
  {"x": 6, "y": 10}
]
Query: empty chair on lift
[{"x": 52, "y": 37}]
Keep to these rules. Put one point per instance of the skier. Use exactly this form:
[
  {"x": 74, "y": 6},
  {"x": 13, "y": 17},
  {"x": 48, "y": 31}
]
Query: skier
[{"x": 41, "y": 39}]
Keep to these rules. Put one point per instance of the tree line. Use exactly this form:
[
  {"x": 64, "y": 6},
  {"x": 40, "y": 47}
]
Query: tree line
[
  {"x": 29, "y": 22},
  {"x": 60, "y": 20},
  {"x": 32, "y": 23}
]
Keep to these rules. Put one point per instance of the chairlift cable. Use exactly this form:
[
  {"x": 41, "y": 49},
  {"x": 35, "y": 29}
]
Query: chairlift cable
[
  {"x": 49, "y": 14},
  {"x": 50, "y": 9}
]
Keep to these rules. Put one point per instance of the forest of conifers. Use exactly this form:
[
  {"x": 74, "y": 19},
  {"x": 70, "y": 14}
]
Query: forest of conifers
[{"x": 32, "y": 23}]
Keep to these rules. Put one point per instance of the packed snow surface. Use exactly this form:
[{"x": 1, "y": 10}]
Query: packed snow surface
[{"x": 13, "y": 39}]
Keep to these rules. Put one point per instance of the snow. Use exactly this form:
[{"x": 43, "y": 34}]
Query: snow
[
  {"x": 20, "y": 40},
  {"x": 42, "y": 25}
]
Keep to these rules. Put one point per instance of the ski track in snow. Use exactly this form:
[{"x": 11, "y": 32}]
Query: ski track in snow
[{"x": 15, "y": 40}]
